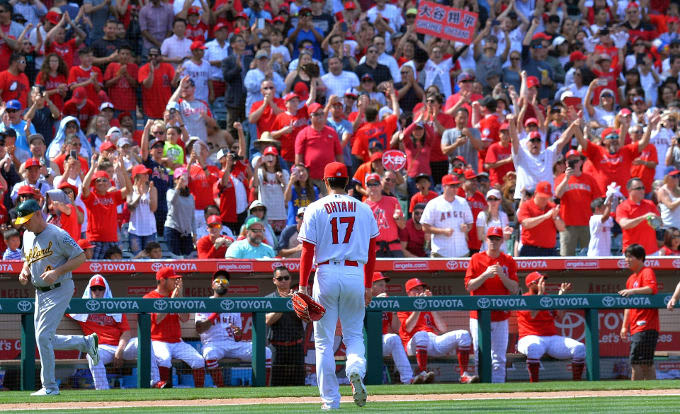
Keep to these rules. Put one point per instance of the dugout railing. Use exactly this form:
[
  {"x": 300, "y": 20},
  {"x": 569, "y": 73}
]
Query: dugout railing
[{"x": 589, "y": 303}]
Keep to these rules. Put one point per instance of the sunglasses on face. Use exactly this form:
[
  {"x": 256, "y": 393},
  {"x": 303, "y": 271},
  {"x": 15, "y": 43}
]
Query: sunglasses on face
[
  {"x": 97, "y": 288},
  {"x": 282, "y": 278},
  {"x": 373, "y": 184},
  {"x": 492, "y": 199},
  {"x": 637, "y": 189},
  {"x": 221, "y": 281}
]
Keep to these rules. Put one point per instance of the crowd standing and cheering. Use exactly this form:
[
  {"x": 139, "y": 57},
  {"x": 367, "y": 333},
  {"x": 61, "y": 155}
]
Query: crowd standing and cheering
[{"x": 190, "y": 128}]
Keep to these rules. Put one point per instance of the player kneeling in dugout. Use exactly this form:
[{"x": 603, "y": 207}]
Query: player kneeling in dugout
[
  {"x": 538, "y": 333},
  {"x": 115, "y": 338},
  {"x": 221, "y": 334},
  {"x": 424, "y": 333}
]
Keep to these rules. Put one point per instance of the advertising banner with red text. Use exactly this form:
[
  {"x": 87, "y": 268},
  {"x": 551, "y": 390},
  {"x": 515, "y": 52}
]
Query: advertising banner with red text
[{"x": 446, "y": 22}]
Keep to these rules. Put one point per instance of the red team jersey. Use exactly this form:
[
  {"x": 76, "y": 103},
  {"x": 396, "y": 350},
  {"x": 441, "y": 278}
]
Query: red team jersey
[
  {"x": 581, "y": 191},
  {"x": 267, "y": 118},
  {"x": 644, "y": 173},
  {"x": 493, "y": 286},
  {"x": 51, "y": 83},
  {"x": 383, "y": 211},
  {"x": 298, "y": 121},
  {"x": 168, "y": 330},
  {"x": 380, "y": 130},
  {"x": 425, "y": 323},
  {"x": 419, "y": 198},
  {"x": 122, "y": 94},
  {"x": 477, "y": 203},
  {"x": 14, "y": 87},
  {"x": 643, "y": 233},
  {"x": 108, "y": 330},
  {"x": 66, "y": 50},
  {"x": 612, "y": 168},
  {"x": 201, "y": 185},
  {"x": 77, "y": 75},
  {"x": 544, "y": 234},
  {"x": 543, "y": 324},
  {"x": 496, "y": 152},
  {"x": 155, "y": 97},
  {"x": 102, "y": 216},
  {"x": 643, "y": 319}
]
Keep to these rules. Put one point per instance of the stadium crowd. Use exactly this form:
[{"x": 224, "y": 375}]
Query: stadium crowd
[{"x": 205, "y": 126}]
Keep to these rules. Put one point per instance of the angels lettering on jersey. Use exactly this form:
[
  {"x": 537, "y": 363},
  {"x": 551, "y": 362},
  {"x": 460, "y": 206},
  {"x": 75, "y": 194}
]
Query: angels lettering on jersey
[
  {"x": 380, "y": 218},
  {"x": 451, "y": 214}
]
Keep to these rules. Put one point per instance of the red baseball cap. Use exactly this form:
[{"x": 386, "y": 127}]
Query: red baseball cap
[
  {"x": 335, "y": 169},
  {"x": 504, "y": 127},
  {"x": 80, "y": 93},
  {"x": 97, "y": 280},
  {"x": 450, "y": 179},
  {"x": 378, "y": 276},
  {"x": 101, "y": 174},
  {"x": 289, "y": 96},
  {"x": 376, "y": 156},
  {"x": 32, "y": 162},
  {"x": 278, "y": 19},
  {"x": 53, "y": 17},
  {"x": 541, "y": 35},
  {"x": 313, "y": 108},
  {"x": 197, "y": 44},
  {"x": 532, "y": 81},
  {"x": 625, "y": 112},
  {"x": 372, "y": 177},
  {"x": 166, "y": 272},
  {"x": 140, "y": 169},
  {"x": 470, "y": 174},
  {"x": 530, "y": 121},
  {"x": 107, "y": 146},
  {"x": 534, "y": 135},
  {"x": 577, "y": 55},
  {"x": 214, "y": 219},
  {"x": 494, "y": 231},
  {"x": 271, "y": 150},
  {"x": 544, "y": 188},
  {"x": 66, "y": 184},
  {"x": 632, "y": 5},
  {"x": 220, "y": 26},
  {"x": 26, "y": 189},
  {"x": 414, "y": 283},
  {"x": 533, "y": 277},
  {"x": 349, "y": 5},
  {"x": 572, "y": 153},
  {"x": 459, "y": 158}
]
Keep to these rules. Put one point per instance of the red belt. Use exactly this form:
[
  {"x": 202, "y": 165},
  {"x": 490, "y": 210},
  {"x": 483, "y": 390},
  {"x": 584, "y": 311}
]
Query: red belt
[
  {"x": 289, "y": 343},
  {"x": 346, "y": 262}
]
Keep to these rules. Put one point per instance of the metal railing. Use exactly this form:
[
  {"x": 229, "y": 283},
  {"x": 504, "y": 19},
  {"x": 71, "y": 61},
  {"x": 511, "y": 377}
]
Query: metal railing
[{"x": 590, "y": 303}]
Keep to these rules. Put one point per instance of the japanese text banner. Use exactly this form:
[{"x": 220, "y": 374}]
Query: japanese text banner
[{"x": 446, "y": 22}]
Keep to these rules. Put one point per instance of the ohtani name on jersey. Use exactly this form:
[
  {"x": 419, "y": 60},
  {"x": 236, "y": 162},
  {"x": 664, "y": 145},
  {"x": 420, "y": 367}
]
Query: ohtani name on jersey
[
  {"x": 340, "y": 207},
  {"x": 36, "y": 254}
]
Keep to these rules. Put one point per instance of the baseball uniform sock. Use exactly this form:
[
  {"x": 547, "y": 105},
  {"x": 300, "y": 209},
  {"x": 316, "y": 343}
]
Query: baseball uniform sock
[
  {"x": 421, "y": 357},
  {"x": 577, "y": 370},
  {"x": 533, "y": 371},
  {"x": 166, "y": 375},
  {"x": 216, "y": 375},
  {"x": 199, "y": 377},
  {"x": 463, "y": 360}
]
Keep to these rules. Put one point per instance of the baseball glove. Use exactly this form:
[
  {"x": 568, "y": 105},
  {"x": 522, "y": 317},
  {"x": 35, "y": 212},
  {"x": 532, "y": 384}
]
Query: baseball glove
[{"x": 307, "y": 308}]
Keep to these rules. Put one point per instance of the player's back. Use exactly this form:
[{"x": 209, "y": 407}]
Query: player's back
[{"x": 340, "y": 227}]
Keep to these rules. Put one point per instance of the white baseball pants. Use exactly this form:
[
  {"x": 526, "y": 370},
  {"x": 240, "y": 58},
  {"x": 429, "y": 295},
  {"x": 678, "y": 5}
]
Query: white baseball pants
[
  {"x": 559, "y": 347},
  {"x": 340, "y": 289},
  {"x": 106, "y": 354},
  {"x": 499, "y": 347},
  {"x": 439, "y": 345},
  {"x": 166, "y": 351},
  {"x": 392, "y": 345},
  {"x": 243, "y": 350}
]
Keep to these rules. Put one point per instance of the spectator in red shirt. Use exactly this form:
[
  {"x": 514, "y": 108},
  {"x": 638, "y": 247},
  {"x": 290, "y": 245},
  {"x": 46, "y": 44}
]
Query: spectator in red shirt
[
  {"x": 540, "y": 220},
  {"x": 264, "y": 112},
  {"x": 14, "y": 82},
  {"x": 477, "y": 203},
  {"x": 373, "y": 128},
  {"x": 289, "y": 123},
  {"x": 465, "y": 94},
  {"x": 424, "y": 194},
  {"x": 412, "y": 236},
  {"x": 417, "y": 141},
  {"x": 166, "y": 332},
  {"x": 86, "y": 75},
  {"x": 202, "y": 177},
  {"x": 538, "y": 333},
  {"x": 636, "y": 216},
  {"x": 55, "y": 40},
  {"x": 53, "y": 76},
  {"x": 81, "y": 107},
  {"x": 214, "y": 245},
  {"x": 498, "y": 160},
  {"x": 102, "y": 204},
  {"x": 157, "y": 79},
  {"x": 121, "y": 81},
  {"x": 641, "y": 324},
  {"x": 576, "y": 190},
  {"x": 389, "y": 216},
  {"x": 317, "y": 145},
  {"x": 644, "y": 166}
]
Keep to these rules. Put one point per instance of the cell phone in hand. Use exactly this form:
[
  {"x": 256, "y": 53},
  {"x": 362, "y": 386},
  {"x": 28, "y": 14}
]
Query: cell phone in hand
[{"x": 73, "y": 154}]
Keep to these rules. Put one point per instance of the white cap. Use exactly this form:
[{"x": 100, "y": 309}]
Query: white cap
[
  {"x": 113, "y": 130},
  {"x": 105, "y": 105},
  {"x": 558, "y": 41},
  {"x": 494, "y": 193}
]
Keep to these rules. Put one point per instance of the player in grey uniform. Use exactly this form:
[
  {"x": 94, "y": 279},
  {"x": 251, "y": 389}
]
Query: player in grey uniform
[{"x": 50, "y": 255}]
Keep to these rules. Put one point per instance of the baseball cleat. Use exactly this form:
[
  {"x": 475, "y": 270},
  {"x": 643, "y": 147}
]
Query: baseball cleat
[
  {"x": 419, "y": 379},
  {"x": 93, "y": 347},
  {"x": 359, "y": 392},
  {"x": 328, "y": 407},
  {"x": 160, "y": 384},
  {"x": 468, "y": 378},
  {"x": 429, "y": 377},
  {"x": 43, "y": 392}
]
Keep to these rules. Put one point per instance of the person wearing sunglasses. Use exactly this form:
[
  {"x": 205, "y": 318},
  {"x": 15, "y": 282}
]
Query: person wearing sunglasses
[
  {"x": 637, "y": 218},
  {"x": 286, "y": 336},
  {"x": 221, "y": 333},
  {"x": 115, "y": 337}
]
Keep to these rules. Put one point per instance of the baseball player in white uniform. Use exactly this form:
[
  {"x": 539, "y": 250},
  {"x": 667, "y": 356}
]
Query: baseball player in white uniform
[
  {"x": 221, "y": 334},
  {"x": 538, "y": 334},
  {"x": 448, "y": 219},
  {"x": 115, "y": 338},
  {"x": 50, "y": 255},
  {"x": 338, "y": 233},
  {"x": 392, "y": 344}
]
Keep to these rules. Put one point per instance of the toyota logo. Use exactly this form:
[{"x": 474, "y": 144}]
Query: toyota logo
[
  {"x": 96, "y": 267},
  {"x": 483, "y": 303},
  {"x": 666, "y": 300},
  {"x": 622, "y": 264},
  {"x": 571, "y": 325},
  {"x": 608, "y": 301},
  {"x": 452, "y": 265},
  {"x": 156, "y": 266},
  {"x": 420, "y": 304},
  {"x": 26, "y": 305},
  {"x": 289, "y": 305},
  {"x": 276, "y": 264},
  {"x": 92, "y": 305},
  {"x": 160, "y": 304},
  {"x": 546, "y": 302},
  {"x": 227, "y": 304}
]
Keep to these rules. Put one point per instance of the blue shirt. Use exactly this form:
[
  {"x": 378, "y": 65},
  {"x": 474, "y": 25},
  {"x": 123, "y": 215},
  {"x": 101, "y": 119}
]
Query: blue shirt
[
  {"x": 306, "y": 35},
  {"x": 242, "y": 249}
]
